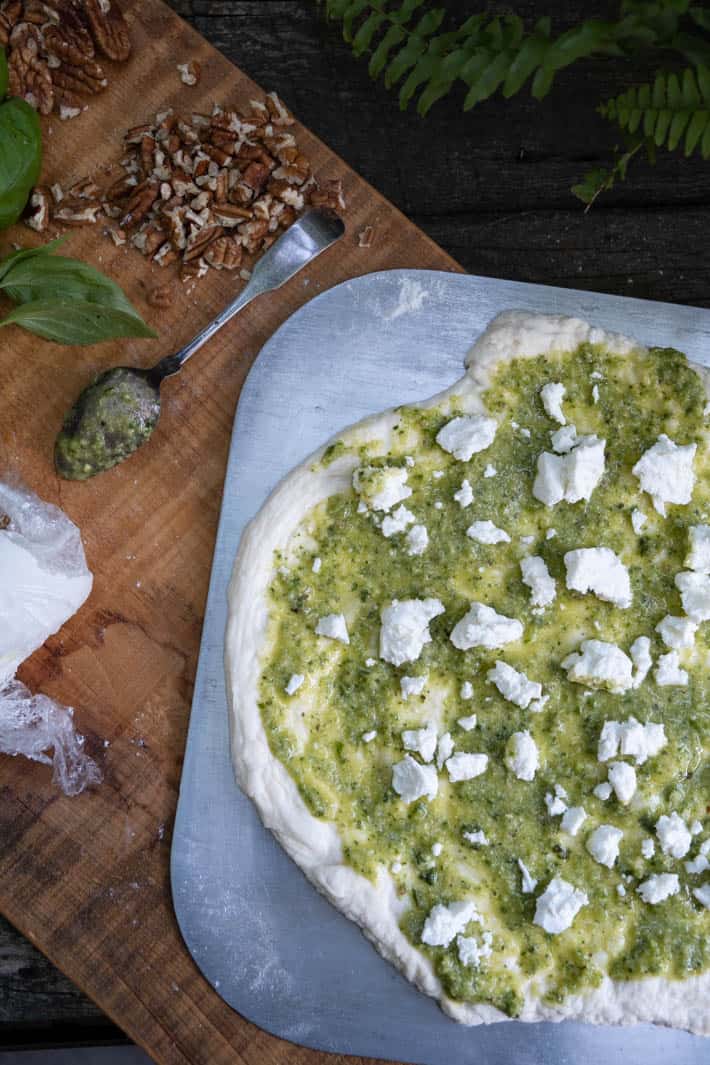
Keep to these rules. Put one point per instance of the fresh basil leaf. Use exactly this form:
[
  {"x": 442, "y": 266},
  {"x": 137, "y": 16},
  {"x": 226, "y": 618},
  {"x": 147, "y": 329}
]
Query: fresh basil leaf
[
  {"x": 57, "y": 278},
  {"x": 28, "y": 253},
  {"x": 4, "y": 76},
  {"x": 76, "y": 321},
  {"x": 20, "y": 157}
]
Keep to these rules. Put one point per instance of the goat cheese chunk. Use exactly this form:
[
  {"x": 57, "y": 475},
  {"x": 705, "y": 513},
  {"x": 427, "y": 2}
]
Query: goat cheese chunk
[
  {"x": 702, "y": 894},
  {"x": 396, "y": 522},
  {"x": 572, "y": 819},
  {"x": 558, "y": 906},
  {"x": 412, "y": 780},
  {"x": 405, "y": 628},
  {"x": 694, "y": 591},
  {"x": 622, "y": 778},
  {"x": 599, "y": 665},
  {"x": 412, "y": 685},
  {"x": 471, "y": 952},
  {"x": 417, "y": 540},
  {"x": 466, "y": 766},
  {"x": 444, "y": 749},
  {"x": 444, "y": 923},
  {"x": 698, "y": 557},
  {"x": 513, "y": 685},
  {"x": 640, "y": 652},
  {"x": 464, "y": 496},
  {"x": 333, "y": 626},
  {"x": 638, "y": 520},
  {"x": 485, "y": 532},
  {"x": 537, "y": 577},
  {"x": 631, "y": 739},
  {"x": 481, "y": 626},
  {"x": 421, "y": 740},
  {"x": 522, "y": 756},
  {"x": 665, "y": 472},
  {"x": 668, "y": 671},
  {"x": 477, "y": 838},
  {"x": 603, "y": 844},
  {"x": 563, "y": 440},
  {"x": 552, "y": 395},
  {"x": 570, "y": 477},
  {"x": 294, "y": 683},
  {"x": 529, "y": 883},
  {"x": 381, "y": 487},
  {"x": 673, "y": 835},
  {"x": 600, "y": 571},
  {"x": 467, "y": 435},
  {"x": 467, "y": 723},
  {"x": 677, "y": 632},
  {"x": 658, "y": 888}
]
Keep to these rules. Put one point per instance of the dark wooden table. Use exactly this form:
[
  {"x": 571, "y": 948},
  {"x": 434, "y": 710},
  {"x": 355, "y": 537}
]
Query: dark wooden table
[{"x": 493, "y": 188}]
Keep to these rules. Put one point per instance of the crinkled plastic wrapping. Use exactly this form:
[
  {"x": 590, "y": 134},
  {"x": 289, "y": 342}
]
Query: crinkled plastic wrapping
[{"x": 44, "y": 579}]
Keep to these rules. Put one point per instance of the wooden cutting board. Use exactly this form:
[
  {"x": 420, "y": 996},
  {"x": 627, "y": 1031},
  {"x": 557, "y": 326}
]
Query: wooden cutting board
[{"x": 86, "y": 879}]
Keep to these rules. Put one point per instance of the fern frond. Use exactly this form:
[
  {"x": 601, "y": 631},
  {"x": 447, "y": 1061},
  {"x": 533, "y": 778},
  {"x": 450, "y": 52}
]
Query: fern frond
[
  {"x": 674, "y": 108},
  {"x": 600, "y": 180}
]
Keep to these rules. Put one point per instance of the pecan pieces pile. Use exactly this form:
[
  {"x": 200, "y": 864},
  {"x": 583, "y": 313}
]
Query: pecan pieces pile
[
  {"x": 51, "y": 50},
  {"x": 210, "y": 191}
]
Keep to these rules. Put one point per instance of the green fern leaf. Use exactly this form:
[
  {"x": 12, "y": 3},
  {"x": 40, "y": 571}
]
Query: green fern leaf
[{"x": 674, "y": 109}]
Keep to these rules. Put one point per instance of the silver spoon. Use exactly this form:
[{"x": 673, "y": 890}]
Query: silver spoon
[{"x": 116, "y": 414}]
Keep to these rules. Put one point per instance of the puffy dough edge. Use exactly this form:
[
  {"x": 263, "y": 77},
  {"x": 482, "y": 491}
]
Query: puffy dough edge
[{"x": 315, "y": 845}]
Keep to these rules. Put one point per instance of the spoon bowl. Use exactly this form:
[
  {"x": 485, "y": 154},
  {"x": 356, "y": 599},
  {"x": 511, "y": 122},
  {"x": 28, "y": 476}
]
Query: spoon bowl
[{"x": 117, "y": 413}]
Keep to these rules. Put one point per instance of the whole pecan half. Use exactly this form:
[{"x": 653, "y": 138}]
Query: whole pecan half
[
  {"x": 29, "y": 75},
  {"x": 109, "y": 28},
  {"x": 225, "y": 253},
  {"x": 10, "y": 13}
]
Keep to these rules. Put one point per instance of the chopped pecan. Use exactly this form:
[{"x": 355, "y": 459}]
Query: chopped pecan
[
  {"x": 219, "y": 155},
  {"x": 41, "y": 204},
  {"x": 365, "y": 237},
  {"x": 136, "y": 134},
  {"x": 278, "y": 112},
  {"x": 225, "y": 253},
  {"x": 330, "y": 195},
  {"x": 77, "y": 213},
  {"x": 109, "y": 28},
  {"x": 230, "y": 214},
  {"x": 165, "y": 255},
  {"x": 256, "y": 176},
  {"x": 139, "y": 204},
  {"x": 86, "y": 189},
  {"x": 147, "y": 144},
  {"x": 295, "y": 168},
  {"x": 121, "y": 188},
  {"x": 190, "y": 72},
  {"x": 251, "y": 234},
  {"x": 199, "y": 241},
  {"x": 149, "y": 238}
]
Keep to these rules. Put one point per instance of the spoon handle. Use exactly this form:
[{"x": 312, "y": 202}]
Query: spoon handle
[{"x": 314, "y": 232}]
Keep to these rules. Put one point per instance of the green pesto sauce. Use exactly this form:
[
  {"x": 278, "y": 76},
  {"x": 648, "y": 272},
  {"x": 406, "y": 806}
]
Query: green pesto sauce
[{"x": 317, "y": 733}]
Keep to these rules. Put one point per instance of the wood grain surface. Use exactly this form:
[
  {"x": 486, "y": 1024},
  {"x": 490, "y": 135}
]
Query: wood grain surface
[{"x": 86, "y": 879}]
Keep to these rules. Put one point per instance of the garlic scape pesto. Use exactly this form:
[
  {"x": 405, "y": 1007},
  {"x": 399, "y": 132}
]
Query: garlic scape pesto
[{"x": 485, "y": 661}]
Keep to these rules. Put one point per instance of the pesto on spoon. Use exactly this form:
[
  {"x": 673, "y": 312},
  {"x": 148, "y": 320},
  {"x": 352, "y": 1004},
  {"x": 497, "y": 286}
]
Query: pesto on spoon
[{"x": 118, "y": 412}]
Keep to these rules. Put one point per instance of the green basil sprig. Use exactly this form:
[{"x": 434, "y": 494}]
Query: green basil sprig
[
  {"x": 66, "y": 300},
  {"x": 20, "y": 157}
]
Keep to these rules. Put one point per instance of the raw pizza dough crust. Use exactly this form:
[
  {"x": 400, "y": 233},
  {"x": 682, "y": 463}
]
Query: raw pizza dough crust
[{"x": 314, "y": 844}]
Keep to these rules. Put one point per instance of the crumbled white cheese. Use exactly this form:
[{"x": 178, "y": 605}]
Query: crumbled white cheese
[
  {"x": 444, "y": 923},
  {"x": 437, "y": 475},
  {"x": 334, "y": 627},
  {"x": 370, "y": 662},
  {"x": 485, "y": 532},
  {"x": 648, "y": 848},
  {"x": 702, "y": 894},
  {"x": 527, "y": 540},
  {"x": 622, "y": 778},
  {"x": 603, "y": 844},
  {"x": 417, "y": 540},
  {"x": 396, "y": 867},
  {"x": 668, "y": 671},
  {"x": 538, "y": 705},
  {"x": 551, "y": 534},
  {"x": 295, "y": 682},
  {"x": 477, "y": 838},
  {"x": 529, "y": 883},
  {"x": 563, "y": 440},
  {"x": 444, "y": 749},
  {"x": 620, "y": 890},
  {"x": 665, "y": 471},
  {"x": 556, "y": 804},
  {"x": 381, "y": 487},
  {"x": 677, "y": 632},
  {"x": 413, "y": 781},
  {"x": 698, "y": 865},
  {"x": 600, "y": 571},
  {"x": 412, "y": 685},
  {"x": 595, "y": 393},
  {"x": 694, "y": 591},
  {"x": 633, "y": 739},
  {"x": 696, "y": 828},
  {"x": 698, "y": 557},
  {"x": 467, "y": 723},
  {"x": 558, "y": 906},
  {"x": 466, "y": 691},
  {"x": 673, "y": 835},
  {"x": 490, "y": 471},
  {"x": 464, "y": 496},
  {"x": 640, "y": 652},
  {"x": 397, "y": 522},
  {"x": 537, "y": 577},
  {"x": 573, "y": 819},
  {"x": 368, "y": 737},
  {"x": 405, "y": 628},
  {"x": 466, "y": 766},
  {"x": 552, "y": 395},
  {"x": 438, "y": 505},
  {"x": 603, "y": 790},
  {"x": 316, "y": 565},
  {"x": 421, "y": 740},
  {"x": 522, "y": 756},
  {"x": 638, "y": 520},
  {"x": 436, "y": 849},
  {"x": 599, "y": 665},
  {"x": 513, "y": 685},
  {"x": 570, "y": 477},
  {"x": 481, "y": 626},
  {"x": 658, "y": 888},
  {"x": 471, "y": 952},
  {"x": 467, "y": 435}
]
